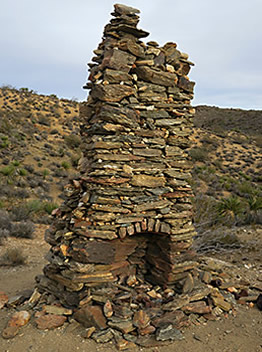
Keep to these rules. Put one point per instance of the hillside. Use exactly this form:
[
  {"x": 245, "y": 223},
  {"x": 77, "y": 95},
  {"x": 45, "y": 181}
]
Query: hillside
[{"x": 40, "y": 149}]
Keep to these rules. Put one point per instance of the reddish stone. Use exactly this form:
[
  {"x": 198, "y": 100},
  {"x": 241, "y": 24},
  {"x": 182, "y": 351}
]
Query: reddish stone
[
  {"x": 50, "y": 321},
  {"x": 91, "y": 316},
  {"x": 197, "y": 307},
  {"x": 3, "y": 299},
  {"x": 19, "y": 319}
]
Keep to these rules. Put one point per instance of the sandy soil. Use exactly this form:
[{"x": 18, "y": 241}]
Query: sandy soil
[{"x": 238, "y": 332}]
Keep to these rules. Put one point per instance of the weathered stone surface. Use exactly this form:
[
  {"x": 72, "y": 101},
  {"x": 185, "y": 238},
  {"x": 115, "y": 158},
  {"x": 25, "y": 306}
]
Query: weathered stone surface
[
  {"x": 125, "y": 326},
  {"x": 91, "y": 316},
  {"x": 112, "y": 92},
  {"x": 123, "y": 116},
  {"x": 125, "y": 10},
  {"x": 103, "y": 336},
  {"x": 118, "y": 60},
  {"x": 148, "y": 181},
  {"x": 123, "y": 344},
  {"x": 56, "y": 310},
  {"x": 156, "y": 76},
  {"x": 199, "y": 307},
  {"x": 221, "y": 303},
  {"x": 113, "y": 76},
  {"x": 141, "y": 320},
  {"x": 17, "y": 320},
  {"x": 168, "y": 333},
  {"x": 50, "y": 321}
]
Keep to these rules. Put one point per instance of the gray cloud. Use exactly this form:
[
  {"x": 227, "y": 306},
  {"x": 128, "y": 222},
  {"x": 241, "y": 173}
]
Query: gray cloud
[{"x": 45, "y": 45}]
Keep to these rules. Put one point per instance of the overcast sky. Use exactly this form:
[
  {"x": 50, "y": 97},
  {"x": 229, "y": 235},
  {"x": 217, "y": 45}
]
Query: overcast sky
[{"x": 46, "y": 44}]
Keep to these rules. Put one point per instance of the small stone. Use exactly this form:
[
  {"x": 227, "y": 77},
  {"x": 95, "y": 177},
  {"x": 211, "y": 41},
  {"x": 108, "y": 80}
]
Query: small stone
[
  {"x": 188, "y": 284},
  {"x": 259, "y": 302},
  {"x": 123, "y": 344},
  {"x": 91, "y": 316},
  {"x": 3, "y": 299},
  {"x": 206, "y": 277},
  {"x": 168, "y": 333},
  {"x": 10, "y": 332},
  {"x": 221, "y": 303},
  {"x": 108, "y": 309},
  {"x": 34, "y": 298},
  {"x": 141, "y": 319},
  {"x": 131, "y": 280},
  {"x": 50, "y": 321},
  {"x": 56, "y": 310},
  {"x": 150, "y": 329},
  {"x": 88, "y": 332},
  {"x": 103, "y": 336},
  {"x": 125, "y": 326},
  {"x": 154, "y": 294},
  {"x": 19, "y": 318},
  {"x": 199, "y": 307}
]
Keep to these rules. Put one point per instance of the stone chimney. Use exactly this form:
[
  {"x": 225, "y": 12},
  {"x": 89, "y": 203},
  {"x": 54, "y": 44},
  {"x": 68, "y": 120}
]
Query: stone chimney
[{"x": 126, "y": 224}]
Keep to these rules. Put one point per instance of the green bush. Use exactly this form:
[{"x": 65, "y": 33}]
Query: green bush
[
  {"x": 49, "y": 207},
  {"x": 229, "y": 209},
  {"x": 73, "y": 141},
  {"x": 22, "y": 172},
  {"x": 198, "y": 154},
  {"x": 65, "y": 165},
  {"x": 8, "y": 170}
]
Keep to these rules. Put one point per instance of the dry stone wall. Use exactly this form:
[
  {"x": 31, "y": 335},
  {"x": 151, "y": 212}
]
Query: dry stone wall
[{"x": 127, "y": 218}]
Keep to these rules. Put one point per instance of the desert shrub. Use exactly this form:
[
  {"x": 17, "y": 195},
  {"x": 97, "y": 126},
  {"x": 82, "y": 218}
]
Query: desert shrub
[
  {"x": 198, "y": 154},
  {"x": 205, "y": 214},
  {"x": 216, "y": 239},
  {"x": 20, "y": 212},
  {"x": 22, "y": 193},
  {"x": 73, "y": 141},
  {"x": 254, "y": 210},
  {"x": 75, "y": 159},
  {"x": 65, "y": 165},
  {"x": 45, "y": 173},
  {"x": 22, "y": 172},
  {"x": 34, "y": 206},
  {"x": 49, "y": 207},
  {"x": 4, "y": 142},
  {"x": 4, "y": 233},
  {"x": 5, "y": 222},
  {"x": 258, "y": 140},
  {"x": 44, "y": 120},
  {"x": 22, "y": 229},
  {"x": 13, "y": 256},
  {"x": 229, "y": 210},
  {"x": 8, "y": 170}
]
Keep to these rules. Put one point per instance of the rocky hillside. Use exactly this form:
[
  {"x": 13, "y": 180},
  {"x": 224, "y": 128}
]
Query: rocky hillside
[{"x": 40, "y": 149}]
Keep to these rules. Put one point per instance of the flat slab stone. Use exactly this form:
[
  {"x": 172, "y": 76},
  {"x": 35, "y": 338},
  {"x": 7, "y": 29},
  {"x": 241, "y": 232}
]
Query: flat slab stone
[{"x": 50, "y": 321}]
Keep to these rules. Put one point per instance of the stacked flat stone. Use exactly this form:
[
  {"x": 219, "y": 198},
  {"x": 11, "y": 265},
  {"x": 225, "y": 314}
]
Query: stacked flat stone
[{"x": 127, "y": 218}]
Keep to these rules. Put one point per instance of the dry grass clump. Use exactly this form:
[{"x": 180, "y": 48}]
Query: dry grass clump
[{"x": 13, "y": 257}]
